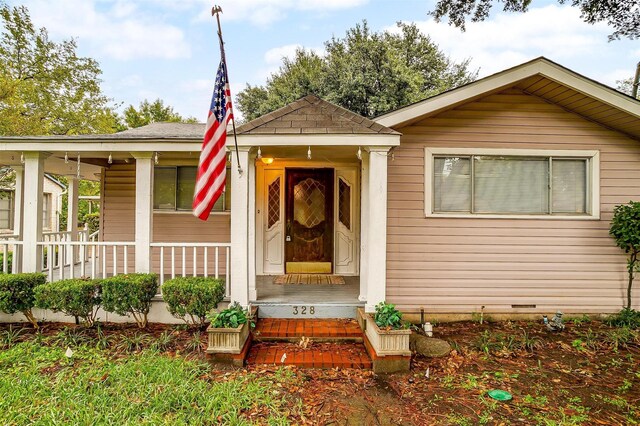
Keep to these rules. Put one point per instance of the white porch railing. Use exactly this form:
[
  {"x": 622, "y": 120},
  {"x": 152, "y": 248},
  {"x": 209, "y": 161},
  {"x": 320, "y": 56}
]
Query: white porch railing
[
  {"x": 9, "y": 243},
  {"x": 192, "y": 259},
  {"x": 65, "y": 236}
]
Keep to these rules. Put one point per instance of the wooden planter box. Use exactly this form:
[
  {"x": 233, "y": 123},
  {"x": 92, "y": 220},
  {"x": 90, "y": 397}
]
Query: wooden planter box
[
  {"x": 227, "y": 340},
  {"x": 385, "y": 342}
]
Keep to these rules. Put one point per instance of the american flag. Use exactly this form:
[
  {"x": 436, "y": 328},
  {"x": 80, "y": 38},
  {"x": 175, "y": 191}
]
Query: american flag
[{"x": 212, "y": 168}]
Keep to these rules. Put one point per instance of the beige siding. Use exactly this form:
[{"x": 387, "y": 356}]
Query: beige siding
[
  {"x": 118, "y": 223},
  {"x": 462, "y": 264}
]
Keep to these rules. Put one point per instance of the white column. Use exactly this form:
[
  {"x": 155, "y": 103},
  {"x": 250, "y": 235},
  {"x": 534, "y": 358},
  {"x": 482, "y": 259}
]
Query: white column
[
  {"x": 251, "y": 169},
  {"x": 32, "y": 218},
  {"x": 364, "y": 226},
  {"x": 18, "y": 199},
  {"x": 144, "y": 210},
  {"x": 240, "y": 228},
  {"x": 377, "y": 228},
  {"x": 72, "y": 216}
]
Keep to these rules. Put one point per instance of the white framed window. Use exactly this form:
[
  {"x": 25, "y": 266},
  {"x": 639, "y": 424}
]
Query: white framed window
[
  {"x": 46, "y": 211},
  {"x": 173, "y": 188},
  {"x": 6, "y": 210},
  {"x": 513, "y": 183}
]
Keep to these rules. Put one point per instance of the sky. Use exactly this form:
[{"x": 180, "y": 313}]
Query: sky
[{"x": 168, "y": 49}]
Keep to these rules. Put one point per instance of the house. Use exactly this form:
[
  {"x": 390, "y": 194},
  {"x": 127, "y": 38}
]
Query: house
[
  {"x": 495, "y": 196},
  {"x": 53, "y": 190}
]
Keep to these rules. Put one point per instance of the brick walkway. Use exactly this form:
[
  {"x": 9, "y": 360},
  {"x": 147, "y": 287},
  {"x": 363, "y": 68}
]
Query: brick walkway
[
  {"x": 316, "y": 355},
  {"x": 290, "y": 329}
]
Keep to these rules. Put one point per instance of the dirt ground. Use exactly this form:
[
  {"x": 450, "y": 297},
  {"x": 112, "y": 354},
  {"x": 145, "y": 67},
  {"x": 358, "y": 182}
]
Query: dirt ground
[{"x": 589, "y": 374}]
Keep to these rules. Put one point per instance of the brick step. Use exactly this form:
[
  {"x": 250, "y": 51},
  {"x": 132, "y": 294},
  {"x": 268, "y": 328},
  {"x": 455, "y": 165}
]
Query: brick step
[
  {"x": 315, "y": 355},
  {"x": 317, "y": 330}
]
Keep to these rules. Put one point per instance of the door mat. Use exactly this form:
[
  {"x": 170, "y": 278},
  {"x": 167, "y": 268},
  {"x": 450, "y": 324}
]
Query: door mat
[{"x": 302, "y": 279}]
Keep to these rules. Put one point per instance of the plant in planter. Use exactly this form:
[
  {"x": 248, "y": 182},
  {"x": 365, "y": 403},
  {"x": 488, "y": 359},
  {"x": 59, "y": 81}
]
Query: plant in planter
[
  {"x": 625, "y": 229},
  {"x": 17, "y": 293},
  {"x": 192, "y": 298},
  {"x": 388, "y": 317},
  {"x": 229, "y": 330},
  {"x": 130, "y": 294},
  {"x": 79, "y": 298}
]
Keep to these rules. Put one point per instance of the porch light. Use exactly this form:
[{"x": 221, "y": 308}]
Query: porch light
[
  {"x": 155, "y": 158},
  {"x": 266, "y": 160},
  {"x": 359, "y": 153},
  {"x": 110, "y": 159},
  {"x": 66, "y": 158},
  {"x": 259, "y": 156},
  {"x": 78, "y": 169},
  {"x": 22, "y": 158},
  {"x": 309, "y": 153}
]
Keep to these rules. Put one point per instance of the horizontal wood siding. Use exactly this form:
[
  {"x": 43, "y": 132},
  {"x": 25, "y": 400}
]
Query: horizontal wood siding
[
  {"x": 118, "y": 224},
  {"x": 458, "y": 265}
]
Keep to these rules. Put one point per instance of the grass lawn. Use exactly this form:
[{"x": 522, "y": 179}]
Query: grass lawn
[{"x": 587, "y": 375}]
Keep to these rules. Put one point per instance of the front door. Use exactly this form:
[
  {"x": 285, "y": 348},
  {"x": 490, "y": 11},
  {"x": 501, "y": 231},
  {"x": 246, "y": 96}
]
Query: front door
[{"x": 309, "y": 221}]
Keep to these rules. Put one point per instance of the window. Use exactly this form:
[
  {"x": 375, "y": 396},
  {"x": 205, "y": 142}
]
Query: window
[
  {"x": 46, "y": 212},
  {"x": 6, "y": 210},
  {"x": 173, "y": 189},
  {"x": 512, "y": 182}
]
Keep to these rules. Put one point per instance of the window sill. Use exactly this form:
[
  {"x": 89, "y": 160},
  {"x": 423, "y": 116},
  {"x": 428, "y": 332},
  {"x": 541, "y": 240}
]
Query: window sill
[{"x": 512, "y": 216}]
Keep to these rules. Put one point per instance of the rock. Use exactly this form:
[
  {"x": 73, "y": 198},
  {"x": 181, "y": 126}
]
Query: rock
[{"x": 429, "y": 346}]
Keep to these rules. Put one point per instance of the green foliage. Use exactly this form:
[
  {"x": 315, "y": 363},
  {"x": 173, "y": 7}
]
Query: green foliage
[
  {"x": 46, "y": 87},
  {"x": 367, "y": 72},
  {"x": 617, "y": 14},
  {"x": 387, "y": 316},
  {"x": 75, "y": 297},
  {"x": 505, "y": 344},
  {"x": 130, "y": 294},
  {"x": 93, "y": 220},
  {"x": 232, "y": 317},
  {"x": 9, "y": 261},
  {"x": 625, "y": 318},
  {"x": 152, "y": 112},
  {"x": 194, "y": 297},
  {"x": 17, "y": 293},
  {"x": 625, "y": 229},
  {"x": 141, "y": 389},
  {"x": 10, "y": 336}
]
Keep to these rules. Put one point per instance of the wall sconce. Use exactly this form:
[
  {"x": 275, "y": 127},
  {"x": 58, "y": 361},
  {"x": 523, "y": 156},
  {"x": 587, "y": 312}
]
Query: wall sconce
[{"x": 266, "y": 160}]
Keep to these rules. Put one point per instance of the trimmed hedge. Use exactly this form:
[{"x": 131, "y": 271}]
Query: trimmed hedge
[
  {"x": 130, "y": 295},
  {"x": 17, "y": 293},
  {"x": 75, "y": 297},
  {"x": 193, "y": 297}
]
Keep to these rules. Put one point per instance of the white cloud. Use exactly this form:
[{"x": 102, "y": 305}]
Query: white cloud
[
  {"x": 275, "y": 55},
  {"x": 262, "y": 13},
  {"x": 116, "y": 30},
  {"x": 506, "y": 40}
]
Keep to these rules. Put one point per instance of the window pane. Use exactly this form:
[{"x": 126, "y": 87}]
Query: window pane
[
  {"x": 186, "y": 186},
  {"x": 452, "y": 185},
  {"x": 164, "y": 188},
  {"x": 569, "y": 186},
  {"x": 511, "y": 185},
  {"x": 5, "y": 211},
  {"x": 344, "y": 203},
  {"x": 46, "y": 211}
]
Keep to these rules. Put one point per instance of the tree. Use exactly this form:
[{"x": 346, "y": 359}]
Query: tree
[
  {"x": 45, "y": 87},
  {"x": 152, "y": 112},
  {"x": 622, "y": 15},
  {"x": 626, "y": 86},
  {"x": 625, "y": 229},
  {"x": 370, "y": 73}
]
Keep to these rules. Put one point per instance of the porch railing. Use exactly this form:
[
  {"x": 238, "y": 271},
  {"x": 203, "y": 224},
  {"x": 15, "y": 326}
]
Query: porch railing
[
  {"x": 61, "y": 237},
  {"x": 9, "y": 244},
  {"x": 192, "y": 259}
]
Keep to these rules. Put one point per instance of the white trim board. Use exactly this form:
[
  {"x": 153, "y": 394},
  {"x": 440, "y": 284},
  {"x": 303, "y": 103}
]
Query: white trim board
[{"x": 593, "y": 188}]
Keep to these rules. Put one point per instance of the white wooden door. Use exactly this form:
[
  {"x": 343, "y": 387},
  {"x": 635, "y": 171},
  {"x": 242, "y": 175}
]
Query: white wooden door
[
  {"x": 346, "y": 217},
  {"x": 273, "y": 217}
]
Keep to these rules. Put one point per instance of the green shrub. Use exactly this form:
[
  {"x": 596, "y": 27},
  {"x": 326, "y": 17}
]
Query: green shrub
[
  {"x": 625, "y": 318},
  {"x": 75, "y": 297},
  {"x": 625, "y": 229},
  {"x": 9, "y": 261},
  {"x": 193, "y": 297},
  {"x": 232, "y": 317},
  {"x": 387, "y": 316},
  {"x": 130, "y": 295},
  {"x": 16, "y": 293},
  {"x": 93, "y": 220}
]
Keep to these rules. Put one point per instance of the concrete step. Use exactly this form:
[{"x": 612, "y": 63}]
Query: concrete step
[
  {"x": 306, "y": 311},
  {"x": 316, "y": 330}
]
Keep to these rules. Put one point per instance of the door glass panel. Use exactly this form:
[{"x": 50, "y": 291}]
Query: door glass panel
[
  {"x": 344, "y": 203},
  {"x": 309, "y": 203},
  {"x": 273, "y": 209}
]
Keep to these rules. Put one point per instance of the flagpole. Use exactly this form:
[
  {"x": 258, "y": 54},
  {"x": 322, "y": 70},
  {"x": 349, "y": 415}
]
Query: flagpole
[{"x": 216, "y": 11}]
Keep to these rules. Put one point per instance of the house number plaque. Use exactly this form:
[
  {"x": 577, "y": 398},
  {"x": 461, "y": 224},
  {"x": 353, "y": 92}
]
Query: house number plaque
[{"x": 304, "y": 310}]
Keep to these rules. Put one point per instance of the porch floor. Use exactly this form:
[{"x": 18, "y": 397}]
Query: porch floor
[{"x": 346, "y": 293}]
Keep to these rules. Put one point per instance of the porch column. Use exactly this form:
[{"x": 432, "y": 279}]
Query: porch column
[
  {"x": 18, "y": 199},
  {"x": 144, "y": 210},
  {"x": 376, "y": 239},
  {"x": 239, "y": 274},
  {"x": 364, "y": 226},
  {"x": 72, "y": 216},
  {"x": 32, "y": 219},
  {"x": 251, "y": 169}
]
